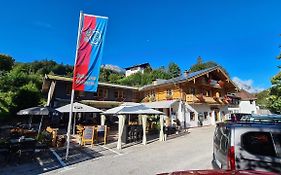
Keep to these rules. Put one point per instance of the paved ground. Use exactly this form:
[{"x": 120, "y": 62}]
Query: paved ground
[{"x": 191, "y": 151}]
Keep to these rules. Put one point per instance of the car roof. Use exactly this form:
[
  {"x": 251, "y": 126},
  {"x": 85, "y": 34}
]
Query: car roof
[
  {"x": 219, "y": 172},
  {"x": 242, "y": 124}
]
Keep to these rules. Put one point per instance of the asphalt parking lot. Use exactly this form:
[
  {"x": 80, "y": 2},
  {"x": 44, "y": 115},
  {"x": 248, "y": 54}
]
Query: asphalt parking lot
[{"x": 188, "y": 151}]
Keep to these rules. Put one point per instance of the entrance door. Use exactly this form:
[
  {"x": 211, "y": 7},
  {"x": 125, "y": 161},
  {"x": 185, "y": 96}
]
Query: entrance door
[{"x": 217, "y": 118}]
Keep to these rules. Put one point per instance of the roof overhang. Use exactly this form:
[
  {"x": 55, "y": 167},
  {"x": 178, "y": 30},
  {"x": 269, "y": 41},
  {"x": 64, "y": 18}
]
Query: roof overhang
[
  {"x": 59, "y": 78},
  {"x": 191, "y": 78},
  {"x": 161, "y": 104}
]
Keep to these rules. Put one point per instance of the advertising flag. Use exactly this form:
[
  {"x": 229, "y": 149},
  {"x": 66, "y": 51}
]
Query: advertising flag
[{"x": 89, "y": 53}]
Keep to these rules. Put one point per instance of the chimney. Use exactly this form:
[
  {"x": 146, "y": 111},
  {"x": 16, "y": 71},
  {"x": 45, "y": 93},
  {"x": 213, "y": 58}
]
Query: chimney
[{"x": 185, "y": 73}]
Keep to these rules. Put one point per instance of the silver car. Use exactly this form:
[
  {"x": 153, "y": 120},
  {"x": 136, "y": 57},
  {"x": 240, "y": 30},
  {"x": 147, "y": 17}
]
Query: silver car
[{"x": 248, "y": 145}]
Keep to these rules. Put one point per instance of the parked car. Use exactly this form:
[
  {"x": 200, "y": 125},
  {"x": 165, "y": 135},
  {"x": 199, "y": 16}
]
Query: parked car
[
  {"x": 248, "y": 145},
  {"x": 219, "y": 172}
]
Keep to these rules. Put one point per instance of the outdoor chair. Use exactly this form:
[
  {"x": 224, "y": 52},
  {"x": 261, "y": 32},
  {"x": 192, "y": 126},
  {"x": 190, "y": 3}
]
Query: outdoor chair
[
  {"x": 139, "y": 132},
  {"x": 4, "y": 151},
  {"x": 26, "y": 149},
  {"x": 132, "y": 133}
]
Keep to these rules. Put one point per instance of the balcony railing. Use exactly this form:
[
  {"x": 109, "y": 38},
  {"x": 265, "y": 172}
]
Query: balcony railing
[
  {"x": 191, "y": 98},
  {"x": 169, "y": 97},
  {"x": 200, "y": 98}
]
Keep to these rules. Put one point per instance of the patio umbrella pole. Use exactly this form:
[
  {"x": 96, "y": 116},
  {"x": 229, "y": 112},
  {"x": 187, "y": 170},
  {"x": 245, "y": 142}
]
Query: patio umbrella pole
[
  {"x": 40, "y": 126},
  {"x": 74, "y": 123}
]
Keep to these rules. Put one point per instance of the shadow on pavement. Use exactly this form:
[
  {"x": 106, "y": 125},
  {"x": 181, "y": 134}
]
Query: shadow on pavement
[{"x": 46, "y": 161}]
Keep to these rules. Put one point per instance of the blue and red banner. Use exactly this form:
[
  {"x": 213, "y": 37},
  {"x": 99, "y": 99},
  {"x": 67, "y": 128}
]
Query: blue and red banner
[{"x": 89, "y": 54}]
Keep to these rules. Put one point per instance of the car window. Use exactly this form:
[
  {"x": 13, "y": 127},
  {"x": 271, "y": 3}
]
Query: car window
[
  {"x": 277, "y": 143},
  {"x": 224, "y": 139},
  {"x": 221, "y": 138},
  {"x": 217, "y": 136},
  {"x": 258, "y": 143}
]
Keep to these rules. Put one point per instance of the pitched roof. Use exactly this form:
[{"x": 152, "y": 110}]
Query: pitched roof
[
  {"x": 179, "y": 79},
  {"x": 59, "y": 78},
  {"x": 244, "y": 95},
  {"x": 138, "y": 65},
  {"x": 183, "y": 78}
]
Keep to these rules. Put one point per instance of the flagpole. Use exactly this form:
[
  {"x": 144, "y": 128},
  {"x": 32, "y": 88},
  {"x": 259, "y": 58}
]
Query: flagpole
[{"x": 72, "y": 92}]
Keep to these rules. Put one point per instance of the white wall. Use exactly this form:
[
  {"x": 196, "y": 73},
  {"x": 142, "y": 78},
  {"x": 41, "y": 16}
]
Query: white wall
[
  {"x": 234, "y": 110},
  {"x": 130, "y": 72},
  {"x": 183, "y": 114},
  {"x": 201, "y": 108},
  {"x": 247, "y": 107}
]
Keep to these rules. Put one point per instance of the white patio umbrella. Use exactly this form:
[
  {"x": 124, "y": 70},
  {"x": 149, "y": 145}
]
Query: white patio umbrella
[
  {"x": 131, "y": 108},
  {"x": 79, "y": 108}
]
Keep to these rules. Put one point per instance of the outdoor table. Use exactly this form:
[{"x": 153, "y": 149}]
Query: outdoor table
[
  {"x": 16, "y": 144},
  {"x": 19, "y": 140},
  {"x": 22, "y": 146}
]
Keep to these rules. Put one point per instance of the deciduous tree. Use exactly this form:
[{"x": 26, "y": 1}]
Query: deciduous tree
[{"x": 6, "y": 62}]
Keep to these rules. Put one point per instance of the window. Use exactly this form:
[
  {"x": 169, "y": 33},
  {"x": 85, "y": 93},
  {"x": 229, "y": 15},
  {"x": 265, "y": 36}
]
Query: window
[
  {"x": 119, "y": 94},
  {"x": 205, "y": 115},
  {"x": 68, "y": 89},
  {"x": 100, "y": 92},
  {"x": 218, "y": 94},
  {"x": 153, "y": 94},
  {"x": 116, "y": 94},
  {"x": 192, "y": 116},
  {"x": 258, "y": 143},
  {"x": 105, "y": 93},
  {"x": 192, "y": 90},
  {"x": 251, "y": 102},
  {"x": 169, "y": 92},
  {"x": 207, "y": 93},
  {"x": 135, "y": 68},
  {"x": 81, "y": 93}
]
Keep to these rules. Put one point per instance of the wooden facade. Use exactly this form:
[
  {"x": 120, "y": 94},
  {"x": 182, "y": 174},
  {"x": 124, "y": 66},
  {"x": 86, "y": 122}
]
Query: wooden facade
[
  {"x": 208, "y": 87},
  {"x": 107, "y": 95}
]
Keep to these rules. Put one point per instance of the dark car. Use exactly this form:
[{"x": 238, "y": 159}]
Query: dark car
[{"x": 248, "y": 145}]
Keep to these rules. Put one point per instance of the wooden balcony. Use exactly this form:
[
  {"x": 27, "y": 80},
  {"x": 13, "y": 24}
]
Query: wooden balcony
[
  {"x": 169, "y": 97},
  {"x": 190, "y": 98}
]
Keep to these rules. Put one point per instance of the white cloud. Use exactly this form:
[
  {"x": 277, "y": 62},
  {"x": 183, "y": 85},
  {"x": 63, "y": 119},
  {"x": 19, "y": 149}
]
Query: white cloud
[{"x": 246, "y": 85}]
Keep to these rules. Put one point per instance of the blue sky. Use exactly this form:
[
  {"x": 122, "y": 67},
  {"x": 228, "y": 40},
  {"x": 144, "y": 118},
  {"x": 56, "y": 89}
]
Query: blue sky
[{"x": 242, "y": 36}]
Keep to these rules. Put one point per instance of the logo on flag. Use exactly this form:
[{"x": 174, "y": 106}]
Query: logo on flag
[{"x": 89, "y": 52}]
